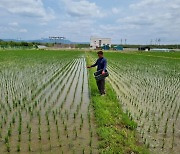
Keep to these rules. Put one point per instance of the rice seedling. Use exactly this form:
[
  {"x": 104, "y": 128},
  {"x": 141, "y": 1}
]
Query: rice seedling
[
  {"x": 18, "y": 147},
  {"x": 29, "y": 147},
  {"x": 8, "y": 147}
]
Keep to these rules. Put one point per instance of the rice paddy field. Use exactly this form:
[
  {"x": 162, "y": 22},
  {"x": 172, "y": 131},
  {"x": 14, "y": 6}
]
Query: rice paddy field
[
  {"x": 49, "y": 103},
  {"x": 44, "y": 103},
  {"x": 148, "y": 86}
]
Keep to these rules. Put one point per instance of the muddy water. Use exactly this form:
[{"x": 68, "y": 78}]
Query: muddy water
[{"x": 58, "y": 119}]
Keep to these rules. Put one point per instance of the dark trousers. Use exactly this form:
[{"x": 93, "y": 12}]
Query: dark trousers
[{"x": 101, "y": 86}]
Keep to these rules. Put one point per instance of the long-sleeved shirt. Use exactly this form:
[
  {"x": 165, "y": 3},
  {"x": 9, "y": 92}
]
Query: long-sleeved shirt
[{"x": 101, "y": 64}]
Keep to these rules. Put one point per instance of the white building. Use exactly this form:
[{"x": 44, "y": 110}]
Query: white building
[{"x": 96, "y": 42}]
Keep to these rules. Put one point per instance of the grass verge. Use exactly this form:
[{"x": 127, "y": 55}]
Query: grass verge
[{"x": 117, "y": 133}]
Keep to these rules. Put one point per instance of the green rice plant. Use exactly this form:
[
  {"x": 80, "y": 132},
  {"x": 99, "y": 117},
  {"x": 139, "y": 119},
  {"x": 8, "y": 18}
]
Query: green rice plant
[
  {"x": 27, "y": 125},
  {"x": 13, "y": 120},
  {"x": 8, "y": 147},
  {"x": 5, "y": 121},
  {"x": 54, "y": 116},
  {"x": 6, "y": 139},
  {"x": 149, "y": 129},
  {"x": 74, "y": 116},
  {"x": 91, "y": 152},
  {"x": 58, "y": 134},
  {"x": 18, "y": 148},
  {"x": 89, "y": 117},
  {"x": 90, "y": 142},
  {"x": 83, "y": 151},
  {"x": 49, "y": 135},
  {"x": 177, "y": 114},
  {"x": 29, "y": 131},
  {"x": 163, "y": 143},
  {"x": 56, "y": 122},
  {"x": 39, "y": 119},
  {"x": 148, "y": 145},
  {"x": 20, "y": 129},
  {"x": 67, "y": 117},
  {"x": 39, "y": 133},
  {"x": 91, "y": 133},
  {"x": 0, "y": 134},
  {"x": 9, "y": 132},
  {"x": 19, "y": 138},
  {"x": 29, "y": 147},
  {"x": 81, "y": 125},
  {"x": 82, "y": 120},
  {"x": 65, "y": 127},
  {"x": 76, "y": 133},
  {"x": 173, "y": 128}
]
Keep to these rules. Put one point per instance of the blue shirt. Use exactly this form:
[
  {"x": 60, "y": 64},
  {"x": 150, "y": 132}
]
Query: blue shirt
[{"x": 101, "y": 64}]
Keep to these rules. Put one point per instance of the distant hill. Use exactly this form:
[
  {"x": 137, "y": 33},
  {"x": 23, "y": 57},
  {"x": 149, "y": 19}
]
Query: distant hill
[{"x": 46, "y": 40}]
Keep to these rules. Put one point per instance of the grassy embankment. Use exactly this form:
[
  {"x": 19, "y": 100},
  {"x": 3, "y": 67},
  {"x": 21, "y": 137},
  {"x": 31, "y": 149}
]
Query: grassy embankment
[{"x": 117, "y": 133}]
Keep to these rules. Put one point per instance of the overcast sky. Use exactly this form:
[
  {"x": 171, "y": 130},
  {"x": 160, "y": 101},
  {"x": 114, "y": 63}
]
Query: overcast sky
[{"x": 138, "y": 21}]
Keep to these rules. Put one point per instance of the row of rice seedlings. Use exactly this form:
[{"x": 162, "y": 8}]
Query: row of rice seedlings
[
  {"x": 79, "y": 105},
  {"x": 50, "y": 83},
  {"x": 69, "y": 88},
  {"x": 48, "y": 130},
  {"x": 147, "y": 114},
  {"x": 59, "y": 81},
  {"x": 60, "y": 92},
  {"x": 90, "y": 128},
  {"x": 81, "y": 101},
  {"x": 57, "y": 71},
  {"x": 57, "y": 131},
  {"x": 39, "y": 90},
  {"x": 74, "y": 96}
]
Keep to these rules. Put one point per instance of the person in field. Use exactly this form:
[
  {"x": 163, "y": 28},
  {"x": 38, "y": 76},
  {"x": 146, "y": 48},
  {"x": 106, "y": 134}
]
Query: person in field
[{"x": 101, "y": 64}]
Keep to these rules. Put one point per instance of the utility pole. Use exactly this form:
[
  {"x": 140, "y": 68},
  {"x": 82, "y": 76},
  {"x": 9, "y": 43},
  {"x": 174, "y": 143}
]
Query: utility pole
[
  {"x": 151, "y": 42},
  {"x": 159, "y": 41}
]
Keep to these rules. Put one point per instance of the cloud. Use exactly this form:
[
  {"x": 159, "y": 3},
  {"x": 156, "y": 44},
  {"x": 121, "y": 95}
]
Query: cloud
[
  {"x": 28, "y": 8},
  {"x": 116, "y": 10},
  {"x": 154, "y": 18},
  {"x": 76, "y": 31},
  {"x": 80, "y": 19},
  {"x": 12, "y": 27},
  {"x": 14, "y": 24},
  {"x": 147, "y": 3},
  {"x": 6, "y": 29},
  {"x": 155, "y": 12},
  {"x": 82, "y": 8},
  {"x": 23, "y": 30}
]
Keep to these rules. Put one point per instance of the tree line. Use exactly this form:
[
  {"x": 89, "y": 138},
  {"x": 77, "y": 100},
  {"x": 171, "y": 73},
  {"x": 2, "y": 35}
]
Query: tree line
[{"x": 13, "y": 44}]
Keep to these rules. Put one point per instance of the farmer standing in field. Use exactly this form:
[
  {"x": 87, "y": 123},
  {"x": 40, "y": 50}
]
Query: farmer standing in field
[{"x": 101, "y": 64}]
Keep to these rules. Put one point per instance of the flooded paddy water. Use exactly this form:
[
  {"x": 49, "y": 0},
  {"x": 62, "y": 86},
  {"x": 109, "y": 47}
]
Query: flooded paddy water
[{"x": 45, "y": 105}]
